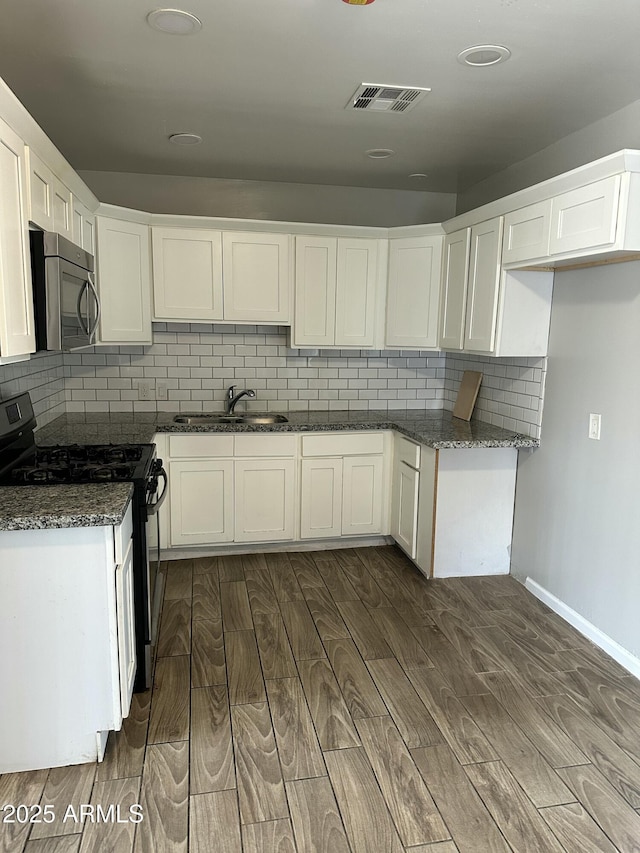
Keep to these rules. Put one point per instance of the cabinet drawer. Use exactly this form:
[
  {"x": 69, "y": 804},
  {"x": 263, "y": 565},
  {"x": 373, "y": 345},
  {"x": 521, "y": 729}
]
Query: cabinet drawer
[
  {"x": 408, "y": 452},
  {"x": 186, "y": 446},
  {"x": 343, "y": 444},
  {"x": 122, "y": 536},
  {"x": 265, "y": 445}
]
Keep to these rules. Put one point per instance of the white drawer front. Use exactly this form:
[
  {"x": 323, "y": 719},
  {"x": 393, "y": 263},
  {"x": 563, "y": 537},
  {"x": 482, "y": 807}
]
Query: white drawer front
[
  {"x": 343, "y": 444},
  {"x": 186, "y": 446},
  {"x": 266, "y": 445},
  {"x": 409, "y": 452}
]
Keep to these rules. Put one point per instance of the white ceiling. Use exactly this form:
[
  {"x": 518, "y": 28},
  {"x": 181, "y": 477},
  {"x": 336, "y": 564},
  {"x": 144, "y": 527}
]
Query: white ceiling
[{"x": 265, "y": 83}]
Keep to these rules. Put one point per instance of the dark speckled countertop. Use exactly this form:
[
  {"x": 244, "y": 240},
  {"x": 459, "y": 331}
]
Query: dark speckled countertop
[
  {"x": 88, "y": 505},
  {"x": 42, "y": 507},
  {"x": 434, "y": 428}
]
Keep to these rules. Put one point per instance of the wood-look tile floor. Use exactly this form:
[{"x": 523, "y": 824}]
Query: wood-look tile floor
[{"x": 338, "y": 701}]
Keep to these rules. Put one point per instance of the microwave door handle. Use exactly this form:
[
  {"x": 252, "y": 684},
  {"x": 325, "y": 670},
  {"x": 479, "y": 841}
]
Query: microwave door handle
[
  {"x": 97, "y": 300},
  {"x": 83, "y": 325}
]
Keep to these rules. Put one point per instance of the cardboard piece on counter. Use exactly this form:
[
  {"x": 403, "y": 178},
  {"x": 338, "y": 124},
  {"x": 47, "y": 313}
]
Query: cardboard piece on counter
[{"x": 467, "y": 394}]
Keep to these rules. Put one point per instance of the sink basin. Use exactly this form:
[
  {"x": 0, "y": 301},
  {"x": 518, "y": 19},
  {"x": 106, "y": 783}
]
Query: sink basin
[{"x": 204, "y": 419}]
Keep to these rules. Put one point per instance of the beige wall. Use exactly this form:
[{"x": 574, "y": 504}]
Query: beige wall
[{"x": 270, "y": 200}]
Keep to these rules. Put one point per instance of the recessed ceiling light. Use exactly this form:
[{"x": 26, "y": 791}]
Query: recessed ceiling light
[
  {"x": 185, "y": 139},
  {"x": 418, "y": 175},
  {"x": 484, "y": 54},
  {"x": 379, "y": 153},
  {"x": 176, "y": 22}
]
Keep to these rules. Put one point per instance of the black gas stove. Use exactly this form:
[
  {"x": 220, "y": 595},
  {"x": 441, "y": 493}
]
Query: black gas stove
[
  {"x": 22, "y": 463},
  {"x": 85, "y": 463}
]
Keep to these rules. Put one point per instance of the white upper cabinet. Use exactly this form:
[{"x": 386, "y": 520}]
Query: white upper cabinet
[
  {"x": 16, "y": 300},
  {"x": 204, "y": 275},
  {"x": 84, "y": 226},
  {"x": 413, "y": 292},
  {"x": 485, "y": 308},
  {"x": 50, "y": 200},
  {"x": 455, "y": 277},
  {"x": 585, "y": 218},
  {"x": 187, "y": 274},
  {"x": 483, "y": 286},
  {"x": 316, "y": 273},
  {"x": 124, "y": 281},
  {"x": 526, "y": 233},
  {"x": 257, "y": 277},
  {"x": 336, "y": 286}
]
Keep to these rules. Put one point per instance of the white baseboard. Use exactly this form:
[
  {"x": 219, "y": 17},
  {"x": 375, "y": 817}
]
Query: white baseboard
[{"x": 615, "y": 650}]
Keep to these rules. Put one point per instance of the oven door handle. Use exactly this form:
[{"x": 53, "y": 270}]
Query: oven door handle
[{"x": 153, "y": 508}]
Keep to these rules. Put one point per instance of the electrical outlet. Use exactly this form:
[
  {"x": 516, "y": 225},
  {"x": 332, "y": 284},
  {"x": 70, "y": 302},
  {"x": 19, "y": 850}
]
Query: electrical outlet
[
  {"x": 594, "y": 426},
  {"x": 145, "y": 389},
  {"x": 162, "y": 389}
]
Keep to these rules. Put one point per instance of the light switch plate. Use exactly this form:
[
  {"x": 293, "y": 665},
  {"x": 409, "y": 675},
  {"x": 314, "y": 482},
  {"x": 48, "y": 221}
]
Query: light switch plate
[{"x": 594, "y": 426}]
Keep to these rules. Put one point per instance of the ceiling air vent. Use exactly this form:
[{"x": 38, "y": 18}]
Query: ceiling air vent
[{"x": 390, "y": 99}]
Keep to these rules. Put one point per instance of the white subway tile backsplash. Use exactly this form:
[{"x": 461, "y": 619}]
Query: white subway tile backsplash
[{"x": 199, "y": 361}]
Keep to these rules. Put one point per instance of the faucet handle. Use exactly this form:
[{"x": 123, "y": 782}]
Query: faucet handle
[{"x": 230, "y": 390}]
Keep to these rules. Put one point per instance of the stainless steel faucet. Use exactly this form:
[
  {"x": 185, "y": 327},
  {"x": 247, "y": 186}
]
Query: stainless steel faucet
[{"x": 231, "y": 399}]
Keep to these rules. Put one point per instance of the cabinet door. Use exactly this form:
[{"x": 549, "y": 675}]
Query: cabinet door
[
  {"x": 404, "y": 522},
  {"x": 455, "y": 277},
  {"x": 321, "y": 498},
  {"x": 484, "y": 286},
  {"x": 187, "y": 274},
  {"x": 526, "y": 233},
  {"x": 357, "y": 271},
  {"x": 40, "y": 192},
  {"x": 586, "y": 217},
  {"x": 16, "y": 298},
  {"x": 315, "y": 291},
  {"x": 201, "y": 501},
  {"x": 124, "y": 281},
  {"x": 257, "y": 277},
  {"x": 264, "y": 499},
  {"x": 413, "y": 292},
  {"x": 83, "y": 226},
  {"x": 362, "y": 487},
  {"x": 61, "y": 208},
  {"x": 126, "y": 629}
]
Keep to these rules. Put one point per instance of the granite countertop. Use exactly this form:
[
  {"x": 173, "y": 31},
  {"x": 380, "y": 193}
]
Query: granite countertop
[
  {"x": 46, "y": 507},
  {"x": 99, "y": 504},
  {"x": 434, "y": 428}
]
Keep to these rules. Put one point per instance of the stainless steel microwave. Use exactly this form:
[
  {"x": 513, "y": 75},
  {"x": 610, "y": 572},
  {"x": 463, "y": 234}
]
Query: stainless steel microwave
[{"x": 66, "y": 302}]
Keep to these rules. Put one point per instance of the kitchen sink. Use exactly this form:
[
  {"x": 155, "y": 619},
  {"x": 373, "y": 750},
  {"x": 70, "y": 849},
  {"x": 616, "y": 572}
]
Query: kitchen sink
[{"x": 204, "y": 419}]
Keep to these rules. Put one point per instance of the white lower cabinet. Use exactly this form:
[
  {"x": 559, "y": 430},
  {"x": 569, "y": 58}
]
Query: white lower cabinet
[
  {"x": 321, "y": 498},
  {"x": 464, "y": 512},
  {"x": 67, "y": 623},
  {"x": 343, "y": 487},
  {"x": 229, "y": 488},
  {"x": 264, "y": 500},
  {"x": 362, "y": 495},
  {"x": 404, "y": 495},
  {"x": 126, "y": 628},
  {"x": 201, "y": 501}
]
